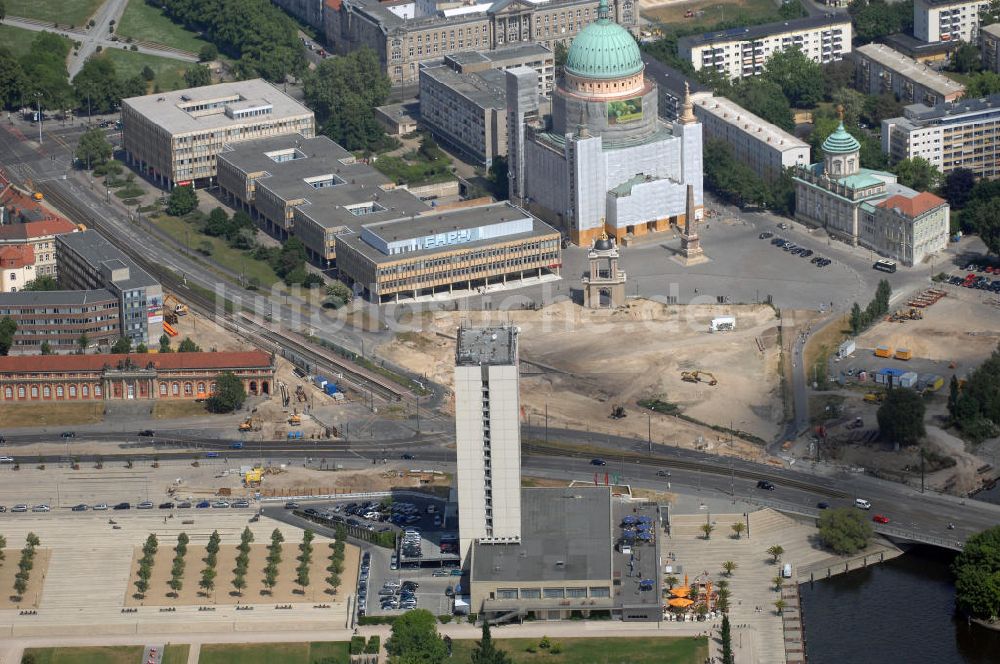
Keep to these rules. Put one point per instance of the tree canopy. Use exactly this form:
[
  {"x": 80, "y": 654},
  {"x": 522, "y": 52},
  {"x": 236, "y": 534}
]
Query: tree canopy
[
  {"x": 874, "y": 19},
  {"x": 975, "y": 406},
  {"x": 182, "y": 200},
  {"x": 957, "y": 187},
  {"x": 229, "y": 394},
  {"x": 12, "y": 80},
  {"x": 45, "y": 72},
  {"x": 415, "y": 639},
  {"x": 46, "y": 282},
  {"x": 93, "y": 148},
  {"x": 197, "y": 76},
  {"x": 343, "y": 91},
  {"x": 901, "y": 416},
  {"x": 844, "y": 530},
  {"x": 7, "y": 329},
  {"x": 798, "y": 76},
  {"x": 261, "y": 37},
  {"x": 917, "y": 173},
  {"x": 486, "y": 651},
  {"x": 977, "y": 570}
]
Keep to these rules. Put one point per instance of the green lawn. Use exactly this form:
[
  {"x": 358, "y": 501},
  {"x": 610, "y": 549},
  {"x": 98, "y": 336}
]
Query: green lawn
[
  {"x": 672, "y": 16},
  {"x": 18, "y": 40},
  {"x": 272, "y": 653},
  {"x": 63, "y": 12},
  {"x": 176, "y": 654},
  {"x": 639, "y": 650},
  {"x": 169, "y": 72},
  {"x": 99, "y": 655},
  {"x": 222, "y": 253},
  {"x": 143, "y": 22}
]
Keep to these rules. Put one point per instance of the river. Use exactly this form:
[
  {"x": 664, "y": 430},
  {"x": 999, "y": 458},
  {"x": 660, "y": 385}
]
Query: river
[{"x": 900, "y": 611}]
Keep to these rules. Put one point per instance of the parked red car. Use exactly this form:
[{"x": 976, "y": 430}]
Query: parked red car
[{"x": 878, "y": 518}]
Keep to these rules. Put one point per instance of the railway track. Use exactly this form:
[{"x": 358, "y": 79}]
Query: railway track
[{"x": 284, "y": 344}]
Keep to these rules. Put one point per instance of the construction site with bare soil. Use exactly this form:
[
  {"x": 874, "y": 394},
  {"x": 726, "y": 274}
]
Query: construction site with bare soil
[
  {"x": 645, "y": 368},
  {"x": 920, "y": 346}
]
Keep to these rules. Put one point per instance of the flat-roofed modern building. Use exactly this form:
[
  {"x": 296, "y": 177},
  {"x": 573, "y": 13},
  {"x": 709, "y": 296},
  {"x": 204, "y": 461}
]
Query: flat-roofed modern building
[
  {"x": 527, "y": 54},
  {"x": 563, "y": 563},
  {"x": 466, "y": 112},
  {"x": 174, "y": 137},
  {"x": 61, "y": 318},
  {"x": 311, "y": 188},
  {"x": 947, "y": 20},
  {"x": 487, "y": 436},
  {"x": 742, "y": 52},
  {"x": 962, "y": 134},
  {"x": 672, "y": 85},
  {"x": 87, "y": 261},
  {"x": 464, "y": 249},
  {"x": 990, "y": 39},
  {"x": 880, "y": 69},
  {"x": 764, "y": 147}
]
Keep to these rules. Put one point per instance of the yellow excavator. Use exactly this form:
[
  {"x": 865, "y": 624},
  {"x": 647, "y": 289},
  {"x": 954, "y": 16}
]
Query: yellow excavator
[
  {"x": 251, "y": 424},
  {"x": 699, "y": 377},
  {"x": 295, "y": 419}
]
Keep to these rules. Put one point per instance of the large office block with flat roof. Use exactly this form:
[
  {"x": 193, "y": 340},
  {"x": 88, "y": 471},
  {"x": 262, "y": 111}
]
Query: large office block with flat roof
[
  {"x": 881, "y": 69},
  {"x": 562, "y": 564},
  {"x": 60, "y": 318},
  {"x": 742, "y": 52},
  {"x": 947, "y": 20},
  {"x": 311, "y": 188},
  {"x": 174, "y": 137},
  {"x": 487, "y": 436},
  {"x": 460, "y": 250},
  {"x": 87, "y": 261},
  {"x": 961, "y": 134},
  {"x": 466, "y": 112}
]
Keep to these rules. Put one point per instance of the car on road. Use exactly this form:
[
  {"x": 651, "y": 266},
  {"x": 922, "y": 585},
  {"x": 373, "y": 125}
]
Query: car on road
[
  {"x": 211, "y": 455},
  {"x": 241, "y": 503},
  {"x": 441, "y": 572},
  {"x": 166, "y": 506},
  {"x": 82, "y": 507},
  {"x": 145, "y": 505},
  {"x": 220, "y": 504},
  {"x": 663, "y": 473},
  {"x": 183, "y": 505},
  {"x": 880, "y": 518},
  {"x": 407, "y": 456},
  {"x": 765, "y": 235},
  {"x": 100, "y": 507},
  {"x": 456, "y": 572},
  {"x": 41, "y": 508},
  {"x": 766, "y": 485},
  {"x": 68, "y": 434},
  {"x": 3, "y": 508},
  {"x": 783, "y": 226},
  {"x": 147, "y": 433},
  {"x": 203, "y": 504},
  {"x": 822, "y": 505},
  {"x": 19, "y": 508},
  {"x": 122, "y": 506},
  {"x": 806, "y": 253},
  {"x": 6, "y": 459},
  {"x": 292, "y": 505},
  {"x": 598, "y": 462}
]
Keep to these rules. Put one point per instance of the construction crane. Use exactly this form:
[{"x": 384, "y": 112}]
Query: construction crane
[{"x": 699, "y": 377}]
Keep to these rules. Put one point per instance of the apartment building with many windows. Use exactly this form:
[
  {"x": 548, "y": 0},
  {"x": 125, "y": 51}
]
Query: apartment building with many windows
[
  {"x": 741, "y": 52},
  {"x": 990, "y": 47},
  {"x": 175, "y": 137},
  {"x": 947, "y": 20},
  {"x": 880, "y": 69},
  {"x": 766, "y": 148},
  {"x": 466, "y": 112},
  {"x": 406, "y": 34},
  {"x": 60, "y": 318},
  {"x": 962, "y": 134}
]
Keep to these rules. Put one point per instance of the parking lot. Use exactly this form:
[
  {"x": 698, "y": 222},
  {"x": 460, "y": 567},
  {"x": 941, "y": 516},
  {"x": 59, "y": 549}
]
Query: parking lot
[{"x": 416, "y": 574}]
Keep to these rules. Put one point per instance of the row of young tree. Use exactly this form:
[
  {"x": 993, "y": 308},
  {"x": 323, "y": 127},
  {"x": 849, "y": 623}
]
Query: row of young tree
[
  {"x": 24, "y": 565},
  {"x": 861, "y": 319}
]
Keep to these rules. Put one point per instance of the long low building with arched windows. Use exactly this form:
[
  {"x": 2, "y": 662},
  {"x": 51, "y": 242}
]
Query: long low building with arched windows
[{"x": 130, "y": 376}]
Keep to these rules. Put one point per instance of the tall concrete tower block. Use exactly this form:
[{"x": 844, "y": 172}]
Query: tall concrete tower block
[
  {"x": 522, "y": 101},
  {"x": 488, "y": 436}
]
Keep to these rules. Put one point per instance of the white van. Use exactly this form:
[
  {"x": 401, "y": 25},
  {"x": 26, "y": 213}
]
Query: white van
[
  {"x": 861, "y": 503},
  {"x": 786, "y": 571}
]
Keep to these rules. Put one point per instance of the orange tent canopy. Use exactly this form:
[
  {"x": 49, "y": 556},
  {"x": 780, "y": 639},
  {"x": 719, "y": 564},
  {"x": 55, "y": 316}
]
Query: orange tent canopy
[
  {"x": 680, "y": 602},
  {"x": 680, "y": 591}
]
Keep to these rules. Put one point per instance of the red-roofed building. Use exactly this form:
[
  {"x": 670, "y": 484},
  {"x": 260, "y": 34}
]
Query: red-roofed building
[
  {"x": 16, "y": 267},
  {"x": 132, "y": 376},
  {"x": 906, "y": 228},
  {"x": 25, "y": 221}
]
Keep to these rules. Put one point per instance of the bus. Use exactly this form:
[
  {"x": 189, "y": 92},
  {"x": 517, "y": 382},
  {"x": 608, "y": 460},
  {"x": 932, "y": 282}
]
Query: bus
[{"x": 884, "y": 265}]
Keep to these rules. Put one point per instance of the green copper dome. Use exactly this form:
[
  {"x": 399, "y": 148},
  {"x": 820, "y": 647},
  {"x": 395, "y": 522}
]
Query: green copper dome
[
  {"x": 604, "y": 49},
  {"x": 840, "y": 142}
]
